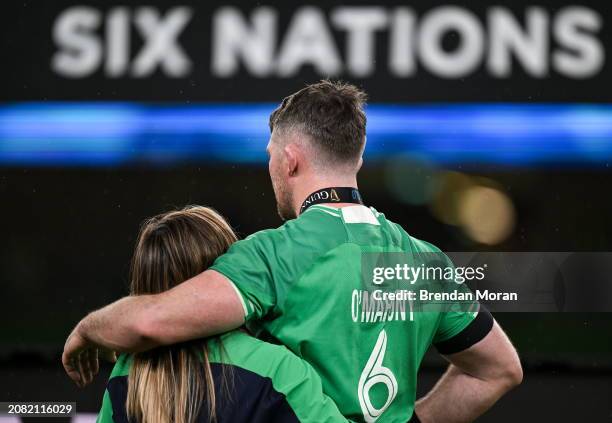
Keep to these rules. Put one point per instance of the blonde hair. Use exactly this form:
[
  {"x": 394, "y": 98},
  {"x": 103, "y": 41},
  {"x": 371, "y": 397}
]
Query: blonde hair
[{"x": 169, "y": 384}]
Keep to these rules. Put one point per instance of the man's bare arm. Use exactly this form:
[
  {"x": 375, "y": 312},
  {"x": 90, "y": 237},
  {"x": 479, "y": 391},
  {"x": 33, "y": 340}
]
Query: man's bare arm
[
  {"x": 202, "y": 306},
  {"x": 474, "y": 381}
]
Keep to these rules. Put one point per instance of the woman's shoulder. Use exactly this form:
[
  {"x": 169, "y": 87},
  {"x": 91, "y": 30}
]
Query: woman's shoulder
[
  {"x": 243, "y": 350},
  {"x": 289, "y": 375},
  {"x": 239, "y": 349},
  {"x": 238, "y": 345}
]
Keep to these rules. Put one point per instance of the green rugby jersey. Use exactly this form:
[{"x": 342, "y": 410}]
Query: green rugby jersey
[
  {"x": 299, "y": 285},
  {"x": 268, "y": 384}
]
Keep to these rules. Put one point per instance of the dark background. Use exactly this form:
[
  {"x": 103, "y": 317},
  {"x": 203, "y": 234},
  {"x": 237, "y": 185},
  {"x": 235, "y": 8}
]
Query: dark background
[{"x": 68, "y": 232}]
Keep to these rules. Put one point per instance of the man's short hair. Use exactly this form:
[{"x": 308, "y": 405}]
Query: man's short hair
[{"x": 331, "y": 114}]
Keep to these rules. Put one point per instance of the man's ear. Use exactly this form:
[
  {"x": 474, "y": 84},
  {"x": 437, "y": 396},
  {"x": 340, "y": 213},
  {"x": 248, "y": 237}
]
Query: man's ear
[
  {"x": 360, "y": 163},
  {"x": 292, "y": 158}
]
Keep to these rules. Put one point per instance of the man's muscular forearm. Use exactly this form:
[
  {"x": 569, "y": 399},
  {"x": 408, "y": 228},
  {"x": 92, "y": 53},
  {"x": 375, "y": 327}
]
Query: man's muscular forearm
[
  {"x": 459, "y": 398},
  {"x": 119, "y": 326},
  {"x": 476, "y": 379},
  {"x": 204, "y": 305}
]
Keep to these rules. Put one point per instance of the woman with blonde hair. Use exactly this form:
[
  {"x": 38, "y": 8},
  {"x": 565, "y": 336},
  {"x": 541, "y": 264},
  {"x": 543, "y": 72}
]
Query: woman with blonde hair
[{"x": 228, "y": 378}]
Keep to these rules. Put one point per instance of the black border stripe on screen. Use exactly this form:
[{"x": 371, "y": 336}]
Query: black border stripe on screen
[{"x": 474, "y": 332}]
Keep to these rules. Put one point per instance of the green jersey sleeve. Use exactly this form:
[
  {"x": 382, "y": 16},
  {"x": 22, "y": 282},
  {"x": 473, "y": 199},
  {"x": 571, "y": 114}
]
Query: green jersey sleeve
[
  {"x": 264, "y": 267},
  {"x": 455, "y": 330},
  {"x": 267, "y": 265},
  {"x": 253, "y": 265},
  {"x": 303, "y": 389},
  {"x": 462, "y": 323},
  {"x": 453, "y": 321}
]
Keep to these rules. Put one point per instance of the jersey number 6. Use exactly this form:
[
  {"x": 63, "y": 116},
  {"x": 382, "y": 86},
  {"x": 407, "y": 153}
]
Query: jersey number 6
[{"x": 372, "y": 374}]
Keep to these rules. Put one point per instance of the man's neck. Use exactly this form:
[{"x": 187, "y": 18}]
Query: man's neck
[{"x": 305, "y": 190}]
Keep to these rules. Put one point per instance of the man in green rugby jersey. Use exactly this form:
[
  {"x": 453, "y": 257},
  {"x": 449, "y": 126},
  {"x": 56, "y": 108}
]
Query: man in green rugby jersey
[{"x": 296, "y": 284}]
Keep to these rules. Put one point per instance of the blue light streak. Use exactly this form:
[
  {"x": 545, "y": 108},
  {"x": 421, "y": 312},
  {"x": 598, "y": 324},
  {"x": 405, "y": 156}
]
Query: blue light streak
[{"x": 110, "y": 134}]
